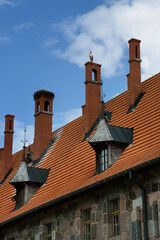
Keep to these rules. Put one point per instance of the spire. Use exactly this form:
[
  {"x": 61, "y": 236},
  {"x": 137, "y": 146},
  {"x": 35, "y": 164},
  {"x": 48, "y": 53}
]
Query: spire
[{"x": 24, "y": 146}]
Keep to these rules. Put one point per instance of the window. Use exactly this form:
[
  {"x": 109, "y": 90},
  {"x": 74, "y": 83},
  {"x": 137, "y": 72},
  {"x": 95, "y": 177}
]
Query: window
[
  {"x": 94, "y": 75},
  {"x": 102, "y": 160},
  {"x": 46, "y": 106},
  {"x": 115, "y": 217},
  {"x": 87, "y": 224},
  {"x": 49, "y": 231},
  {"x": 10, "y": 125},
  {"x": 20, "y": 197},
  {"x": 136, "y": 52},
  {"x": 38, "y": 107}
]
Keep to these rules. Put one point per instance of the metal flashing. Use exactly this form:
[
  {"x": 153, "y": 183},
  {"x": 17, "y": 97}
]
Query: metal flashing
[{"x": 133, "y": 107}]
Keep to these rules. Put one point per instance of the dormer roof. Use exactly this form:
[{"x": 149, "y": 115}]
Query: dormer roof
[
  {"x": 29, "y": 174},
  {"x": 107, "y": 133}
]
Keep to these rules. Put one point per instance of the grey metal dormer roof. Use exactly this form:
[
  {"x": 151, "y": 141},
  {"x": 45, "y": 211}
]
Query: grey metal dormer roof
[
  {"x": 106, "y": 133},
  {"x": 29, "y": 174}
]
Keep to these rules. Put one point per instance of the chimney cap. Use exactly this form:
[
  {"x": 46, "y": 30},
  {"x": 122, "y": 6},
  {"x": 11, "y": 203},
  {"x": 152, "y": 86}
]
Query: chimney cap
[
  {"x": 93, "y": 64},
  {"x": 134, "y": 40},
  {"x": 44, "y": 93},
  {"x": 9, "y": 115}
]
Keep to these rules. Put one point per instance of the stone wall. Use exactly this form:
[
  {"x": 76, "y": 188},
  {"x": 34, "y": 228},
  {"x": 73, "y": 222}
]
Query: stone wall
[{"x": 68, "y": 218}]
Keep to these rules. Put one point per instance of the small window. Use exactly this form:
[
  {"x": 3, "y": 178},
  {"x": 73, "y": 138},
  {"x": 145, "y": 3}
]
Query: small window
[
  {"x": 38, "y": 107},
  {"x": 115, "y": 217},
  {"x": 20, "y": 197},
  {"x": 136, "y": 52},
  {"x": 49, "y": 231},
  {"x": 94, "y": 75},
  {"x": 10, "y": 125},
  {"x": 102, "y": 160},
  {"x": 46, "y": 106},
  {"x": 87, "y": 224}
]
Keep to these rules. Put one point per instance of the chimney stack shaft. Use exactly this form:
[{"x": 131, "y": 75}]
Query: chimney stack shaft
[
  {"x": 134, "y": 77},
  {"x": 93, "y": 84},
  {"x": 43, "y": 121},
  {"x": 6, "y": 153}
]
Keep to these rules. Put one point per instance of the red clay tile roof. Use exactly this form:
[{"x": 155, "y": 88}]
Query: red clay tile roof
[{"x": 72, "y": 161}]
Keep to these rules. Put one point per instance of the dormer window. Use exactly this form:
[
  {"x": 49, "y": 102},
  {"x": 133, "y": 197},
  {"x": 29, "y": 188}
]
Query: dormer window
[
  {"x": 27, "y": 182},
  {"x": 109, "y": 142},
  {"x": 102, "y": 160}
]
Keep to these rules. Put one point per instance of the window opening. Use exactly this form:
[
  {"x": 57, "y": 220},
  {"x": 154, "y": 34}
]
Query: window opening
[
  {"x": 94, "y": 75},
  {"x": 20, "y": 197},
  {"x": 46, "y": 106},
  {"x": 10, "y": 125},
  {"x": 136, "y": 52},
  {"x": 102, "y": 160},
  {"x": 87, "y": 224},
  {"x": 115, "y": 217},
  {"x": 38, "y": 107},
  {"x": 49, "y": 231}
]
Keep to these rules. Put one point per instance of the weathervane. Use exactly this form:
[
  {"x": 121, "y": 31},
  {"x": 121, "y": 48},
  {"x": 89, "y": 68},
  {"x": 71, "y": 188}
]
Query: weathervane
[{"x": 24, "y": 146}]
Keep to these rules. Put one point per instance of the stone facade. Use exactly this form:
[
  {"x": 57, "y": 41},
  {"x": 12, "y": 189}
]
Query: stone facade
[{"x": 68, "y": 217}]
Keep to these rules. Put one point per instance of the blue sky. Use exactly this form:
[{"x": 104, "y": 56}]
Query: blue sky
[{"x": 45, "y": 43}]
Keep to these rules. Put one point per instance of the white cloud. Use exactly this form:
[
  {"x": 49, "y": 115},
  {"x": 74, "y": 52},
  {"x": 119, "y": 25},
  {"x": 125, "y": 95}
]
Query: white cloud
[
  {"x": 12, "y": 3},
  {"x": 50, "y": 42},
  {"x": 106, "y": 30},
  {"x": 5, "y": 39},
  {"x": 23, "y": 26}
]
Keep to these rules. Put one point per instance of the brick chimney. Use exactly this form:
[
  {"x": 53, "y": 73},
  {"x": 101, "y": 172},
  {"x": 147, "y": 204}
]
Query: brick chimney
[
  {"x": 43, "y": 121},
  {"x": 93, "y": 84},
  {"x": 6, "y": 152},
  {"x": 134, "y": 77}
]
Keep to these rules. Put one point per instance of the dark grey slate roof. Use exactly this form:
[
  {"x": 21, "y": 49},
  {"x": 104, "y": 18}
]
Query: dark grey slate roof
[
  {"x": 37, "y": 174},
  {"x": 105, "y": 133},
  {"x": 29, "y": 174}
]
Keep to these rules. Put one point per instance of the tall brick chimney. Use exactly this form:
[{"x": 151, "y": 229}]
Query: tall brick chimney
[
  {"x": 6, "y": 153},
  {"x": 93, "y": 84},
  {"x": 43, "y": 121},
  {"x": 134, "y": 77}
]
